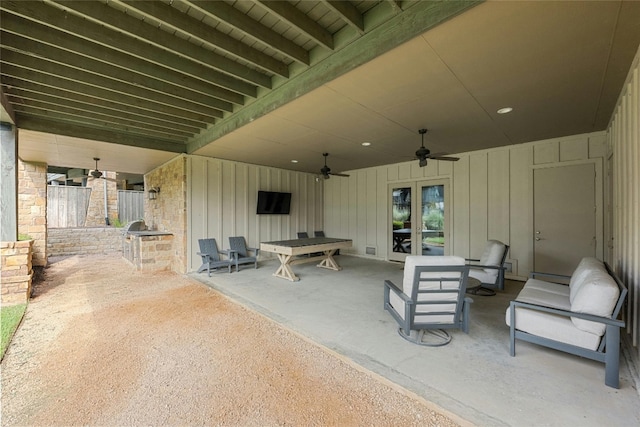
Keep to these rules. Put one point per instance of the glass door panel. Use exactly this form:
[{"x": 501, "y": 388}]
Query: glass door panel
[
  {"x": 400, "y": 226},
  {"x": 432, "y": 209}
]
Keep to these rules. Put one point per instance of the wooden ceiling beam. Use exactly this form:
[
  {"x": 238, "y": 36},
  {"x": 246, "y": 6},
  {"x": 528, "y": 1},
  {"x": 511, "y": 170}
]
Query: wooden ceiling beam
[
  {"x": 65, "y": 97},
  {"x": 51, "y": 103},
  {"x": 6, "y": 106},
  {"x": 50, "y": 15},
  {"x": 349, "y": 14},
  {"x": 14, "y": 76},
  {"x": 103, "y": 68},
  {"x": 9, "y": 57},
  {"x": 89, "y": 118},
  {"x": 117, "y": 20},
  {"x": 187, "y": 25},
  {"x": 287, "y": 12},
  {"x": 59, "y": 127},
  {"x": 233, "y": 17}
]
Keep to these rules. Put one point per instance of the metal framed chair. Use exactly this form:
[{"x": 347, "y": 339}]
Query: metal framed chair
[
  {"x": 241, "y": 252},
  {"x": 211, "y": 259},
  {"x": 489, "y": 269},
  {"x": 432, "y": 299}
]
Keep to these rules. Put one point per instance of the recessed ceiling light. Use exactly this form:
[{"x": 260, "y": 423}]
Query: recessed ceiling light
[
  {"x": 366, "y": 144},
  {"x": 505, "y": 110},
  {"x": 294, "y": 161}
]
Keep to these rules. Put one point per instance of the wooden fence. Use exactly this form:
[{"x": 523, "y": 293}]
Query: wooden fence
[
  {"x": 130, "y": 205},
  {"x": 67, "y": 206}
]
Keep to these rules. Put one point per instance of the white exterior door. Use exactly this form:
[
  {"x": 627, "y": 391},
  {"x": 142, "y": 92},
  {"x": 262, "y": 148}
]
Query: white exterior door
[{"x": 564, "y": 217}]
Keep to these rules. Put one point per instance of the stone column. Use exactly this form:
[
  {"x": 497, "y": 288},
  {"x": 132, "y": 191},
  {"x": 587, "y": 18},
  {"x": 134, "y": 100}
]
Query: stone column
[
  {"x": 8, "y": 183},
  {"x": 32, "y": 207}
]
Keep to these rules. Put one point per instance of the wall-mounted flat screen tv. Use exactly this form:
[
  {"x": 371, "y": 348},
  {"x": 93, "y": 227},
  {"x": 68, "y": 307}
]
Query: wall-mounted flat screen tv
[{"x": 273, "y": 203}]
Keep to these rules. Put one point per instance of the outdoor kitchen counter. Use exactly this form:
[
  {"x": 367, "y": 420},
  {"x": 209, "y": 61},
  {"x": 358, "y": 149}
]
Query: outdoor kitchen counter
[{"x": 148, "y": 249}]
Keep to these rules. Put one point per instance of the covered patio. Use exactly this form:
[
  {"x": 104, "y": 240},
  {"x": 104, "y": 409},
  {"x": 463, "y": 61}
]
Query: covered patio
[{"x": 473, "y": 376}]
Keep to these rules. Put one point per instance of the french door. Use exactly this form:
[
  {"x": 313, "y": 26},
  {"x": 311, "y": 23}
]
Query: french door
[{"x": 418, "y": 219}]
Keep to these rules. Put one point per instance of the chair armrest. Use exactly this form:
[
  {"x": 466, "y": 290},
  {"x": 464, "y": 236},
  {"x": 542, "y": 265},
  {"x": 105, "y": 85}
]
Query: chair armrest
[
  {"x": 228, "y": 252},
  {"x": 567, "y": 313},
  {"x": 256, "y": 250},
  {"x": 390, "y": 286}
]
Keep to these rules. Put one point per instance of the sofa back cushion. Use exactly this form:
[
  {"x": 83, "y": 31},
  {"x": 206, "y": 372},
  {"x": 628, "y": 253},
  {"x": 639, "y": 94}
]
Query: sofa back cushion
[
  {"x": 597, "y": 294},
  {"x": 492, "y": 255},
  {"x": 585, "y": 268}
]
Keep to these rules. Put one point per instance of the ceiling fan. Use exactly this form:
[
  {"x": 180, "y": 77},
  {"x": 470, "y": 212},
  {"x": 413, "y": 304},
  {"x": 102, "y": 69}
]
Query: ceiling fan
[
  {"x": 95, "y": 174},
  {"x": 326, "y": 170},
  {"x": 423, "y": 153}
]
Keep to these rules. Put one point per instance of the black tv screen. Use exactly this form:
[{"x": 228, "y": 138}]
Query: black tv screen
[{"x": 273, "y": 203}]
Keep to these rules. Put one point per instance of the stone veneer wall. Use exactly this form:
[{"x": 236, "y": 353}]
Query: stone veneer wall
[
  {"x": 84, "y": 241},
  {"x": 16, "y": 272},
  {"x": 32, "y": 207},
  {"x": 169, "y": 211},
  {"x": 95, "y": 211}
]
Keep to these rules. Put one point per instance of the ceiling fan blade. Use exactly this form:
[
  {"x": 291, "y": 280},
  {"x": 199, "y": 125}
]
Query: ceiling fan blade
[
  {"x": 339, "y": 174},
  {"x": 448, "y": 159}
]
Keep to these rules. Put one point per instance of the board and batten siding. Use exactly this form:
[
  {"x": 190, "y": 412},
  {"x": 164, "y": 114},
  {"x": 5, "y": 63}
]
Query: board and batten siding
[
  {"x": 222, "y": 197},
  {"x": 490, "y": 193},
  {"x": 624, "y": 207}
]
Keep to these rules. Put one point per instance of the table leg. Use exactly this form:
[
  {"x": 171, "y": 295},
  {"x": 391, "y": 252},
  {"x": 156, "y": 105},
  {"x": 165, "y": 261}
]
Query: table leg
[
  {"x": 285, "y": 271},
  {"x": 329, "y": 261}
]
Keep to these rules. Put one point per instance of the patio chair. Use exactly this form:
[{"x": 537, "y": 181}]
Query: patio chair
[
  {"x": 432, "y": 299},
  {"x": 211, "y": 256},
  {"x": 241, "y": 252},
  {"x": 489, "y": 269},
  {"x": 303, "y": 235}
]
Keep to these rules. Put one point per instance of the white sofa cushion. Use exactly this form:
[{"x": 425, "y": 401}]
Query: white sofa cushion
[
  {"x": 492, "y": 255},
  {"x": 586, "y": 267},
  {"x": 535, "y": 295},
  {"x": 551, "y": 326},
  {"x": 597, "y": 295},
  {"x": 555, "y": 288}
]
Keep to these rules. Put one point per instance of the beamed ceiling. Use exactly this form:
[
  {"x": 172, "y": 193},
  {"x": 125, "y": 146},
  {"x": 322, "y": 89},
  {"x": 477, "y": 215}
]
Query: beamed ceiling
[{"x": 267, "y": 82}]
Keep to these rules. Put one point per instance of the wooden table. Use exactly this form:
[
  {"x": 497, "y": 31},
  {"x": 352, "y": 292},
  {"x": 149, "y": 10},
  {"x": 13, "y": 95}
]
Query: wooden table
[{"x": 288, "y": 249}]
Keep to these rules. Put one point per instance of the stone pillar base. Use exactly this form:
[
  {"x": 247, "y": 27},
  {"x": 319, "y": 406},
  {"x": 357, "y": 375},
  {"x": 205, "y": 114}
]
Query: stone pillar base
[{"x": 16, "y": 273}]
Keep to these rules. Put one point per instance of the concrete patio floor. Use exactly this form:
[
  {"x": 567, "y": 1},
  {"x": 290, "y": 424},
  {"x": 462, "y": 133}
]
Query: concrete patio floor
[{"x": 473, "y": 377}]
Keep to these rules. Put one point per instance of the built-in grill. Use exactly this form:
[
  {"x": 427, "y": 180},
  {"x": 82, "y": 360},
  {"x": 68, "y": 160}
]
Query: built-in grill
[
  {"x": 127, "y": 248},
  {"x": 143, "y": 248}
]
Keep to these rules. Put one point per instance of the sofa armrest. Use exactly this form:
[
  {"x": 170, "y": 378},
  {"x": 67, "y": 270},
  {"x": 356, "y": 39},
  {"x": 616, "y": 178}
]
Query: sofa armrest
[{"x": 567, "y": 313}]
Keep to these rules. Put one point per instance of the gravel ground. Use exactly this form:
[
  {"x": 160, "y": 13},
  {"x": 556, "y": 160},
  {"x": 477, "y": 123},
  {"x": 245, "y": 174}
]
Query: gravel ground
[{"x": 102, "y": 344}]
